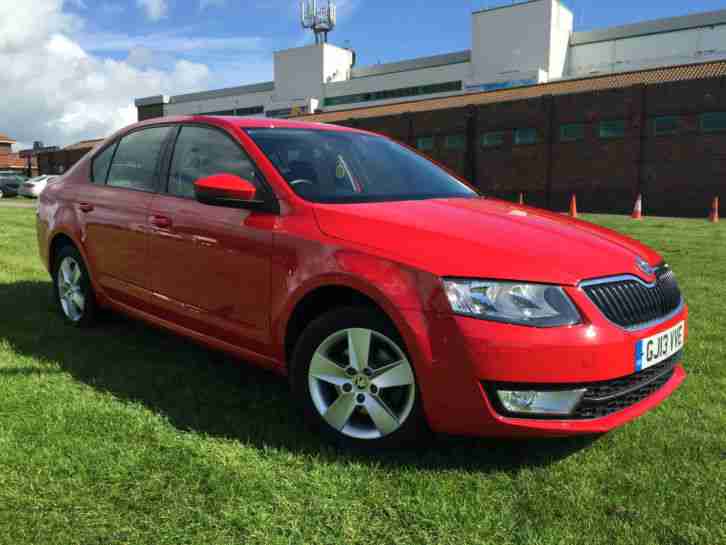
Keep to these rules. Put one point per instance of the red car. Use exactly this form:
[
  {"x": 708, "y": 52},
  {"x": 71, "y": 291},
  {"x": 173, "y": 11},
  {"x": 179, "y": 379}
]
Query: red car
[{"x": 395, "y": 298}]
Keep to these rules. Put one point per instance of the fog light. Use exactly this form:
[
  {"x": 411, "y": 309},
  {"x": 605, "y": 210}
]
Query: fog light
[{"x": 561, "y": 402}]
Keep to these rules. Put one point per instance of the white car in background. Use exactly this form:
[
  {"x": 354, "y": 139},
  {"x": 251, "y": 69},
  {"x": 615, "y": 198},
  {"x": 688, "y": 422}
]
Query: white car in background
[{"x": 34, "y": 187}]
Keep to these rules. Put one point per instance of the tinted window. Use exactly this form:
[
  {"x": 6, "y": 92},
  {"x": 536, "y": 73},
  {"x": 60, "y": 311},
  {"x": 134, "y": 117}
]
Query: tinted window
[
  {"x": 525, "y": 136},
  {"x": 136, "y": 161},
  {"x": 200, "y": 152},
  {"x": 492, "y": 139},
  {"x": 99, "y": 170},
  {"x": 425, "y": 143},
  {"x": 667, "y": 124},
  {"x": 456, "y": 142},
  {"x": 612, "y": 129},
  {"x": 713, "y": 121},
  {"x": 341, "y": 166},
  {"x": 572, "y": 132}
]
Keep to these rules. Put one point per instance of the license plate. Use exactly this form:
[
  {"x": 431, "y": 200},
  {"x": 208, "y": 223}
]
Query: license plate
[{"x": 661, "y": 346}]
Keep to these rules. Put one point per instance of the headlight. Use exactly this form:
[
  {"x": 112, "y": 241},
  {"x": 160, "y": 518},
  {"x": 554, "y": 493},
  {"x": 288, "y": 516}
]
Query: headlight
[
  {"x": 533, "y": 402},
  {"x": 537, "y": 305}
]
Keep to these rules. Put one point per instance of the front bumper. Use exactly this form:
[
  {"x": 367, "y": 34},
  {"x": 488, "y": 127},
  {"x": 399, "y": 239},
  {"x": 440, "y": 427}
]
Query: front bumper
[{"x": 467, "y": 354}]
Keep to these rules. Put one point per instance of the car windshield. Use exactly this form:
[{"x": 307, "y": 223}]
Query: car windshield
[{"x": 345, "y": 167}]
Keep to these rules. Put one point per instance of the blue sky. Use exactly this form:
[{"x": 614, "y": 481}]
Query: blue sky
[{"x": 236, "y": 38}]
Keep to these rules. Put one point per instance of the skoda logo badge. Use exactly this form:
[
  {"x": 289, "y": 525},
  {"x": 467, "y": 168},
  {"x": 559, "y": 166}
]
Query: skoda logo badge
[{"x": 644, "y": 266}]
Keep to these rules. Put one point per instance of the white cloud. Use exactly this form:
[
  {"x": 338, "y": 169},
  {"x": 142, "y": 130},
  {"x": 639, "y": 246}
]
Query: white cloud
[
  {"x": 204, "y": 4},
  {"x": 58, "y": 91},
  {"x": 155, "y": 9}
]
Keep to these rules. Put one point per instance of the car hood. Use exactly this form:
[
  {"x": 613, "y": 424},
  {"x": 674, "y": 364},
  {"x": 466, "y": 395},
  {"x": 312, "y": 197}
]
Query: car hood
[{"x": 485, "y": 238}]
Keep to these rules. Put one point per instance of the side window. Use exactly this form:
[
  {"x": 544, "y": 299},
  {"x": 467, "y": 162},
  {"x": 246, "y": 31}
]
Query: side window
[
  {"x": 99, "y": 168},
  {"x": 136, "y": 161},
  {"x": 201, "y": 152}
]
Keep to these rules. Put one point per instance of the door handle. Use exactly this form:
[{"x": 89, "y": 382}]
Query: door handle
[
  {"x": 85, "y": 206},
  {"x": 161, "y": 222}
]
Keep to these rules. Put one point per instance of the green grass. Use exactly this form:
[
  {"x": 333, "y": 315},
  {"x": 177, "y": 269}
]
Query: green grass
[{"x": 124, "y": 434}]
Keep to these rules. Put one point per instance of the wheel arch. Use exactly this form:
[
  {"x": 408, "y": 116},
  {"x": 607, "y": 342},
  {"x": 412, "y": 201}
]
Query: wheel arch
[{"x": 319, "y": 300}]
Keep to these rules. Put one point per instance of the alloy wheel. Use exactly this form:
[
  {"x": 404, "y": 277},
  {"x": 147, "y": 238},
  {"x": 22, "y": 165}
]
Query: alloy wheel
[
  {"x": 70, "y": 289},
  {"x": 361, "y": 383}
]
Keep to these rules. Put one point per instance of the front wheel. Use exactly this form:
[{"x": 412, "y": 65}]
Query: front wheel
[{"x": 355, "y": 381}]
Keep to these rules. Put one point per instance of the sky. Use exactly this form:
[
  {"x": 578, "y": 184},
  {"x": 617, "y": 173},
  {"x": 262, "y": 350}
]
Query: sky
[{"x": 70, "y": 69}]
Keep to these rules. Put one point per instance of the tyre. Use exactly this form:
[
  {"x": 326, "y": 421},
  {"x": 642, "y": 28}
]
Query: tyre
[
  {"x": 72, "y": 288},
  {"x": 355, "y": 382}
]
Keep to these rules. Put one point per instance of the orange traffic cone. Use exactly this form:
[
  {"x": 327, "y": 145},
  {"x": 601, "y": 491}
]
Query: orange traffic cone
[
  {"x": 713, "y": 216},
  {"x": 521, "y": 198},
  {"x": 638, "y": 208},
  {"x": 573, "y": 206}
]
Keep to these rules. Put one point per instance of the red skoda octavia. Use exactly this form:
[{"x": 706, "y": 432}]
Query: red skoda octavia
[{"x": 395, "y": 298}]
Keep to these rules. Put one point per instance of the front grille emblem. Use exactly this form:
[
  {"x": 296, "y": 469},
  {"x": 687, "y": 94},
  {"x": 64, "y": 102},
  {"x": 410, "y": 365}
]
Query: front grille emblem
[{"x": 644, "y": 266}]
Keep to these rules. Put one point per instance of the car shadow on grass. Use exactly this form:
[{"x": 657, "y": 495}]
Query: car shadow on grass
[{"x": 208, "y": 393}]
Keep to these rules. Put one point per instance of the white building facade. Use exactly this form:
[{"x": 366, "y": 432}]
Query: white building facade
[{"x": 521, "y": 44}]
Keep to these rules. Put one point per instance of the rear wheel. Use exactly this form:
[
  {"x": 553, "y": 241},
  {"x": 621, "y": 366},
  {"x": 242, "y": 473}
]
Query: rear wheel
[
  {"x": 355, "y": 381},
  {"x": 72, "y": 288}
]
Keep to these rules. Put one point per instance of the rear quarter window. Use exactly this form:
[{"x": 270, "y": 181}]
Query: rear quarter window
[{"x": 101, "y": 162}]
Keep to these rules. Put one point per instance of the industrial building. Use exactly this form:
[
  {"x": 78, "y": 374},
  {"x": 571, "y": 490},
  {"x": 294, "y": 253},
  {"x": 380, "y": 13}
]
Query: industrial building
[{"x": 604, "y": 114}]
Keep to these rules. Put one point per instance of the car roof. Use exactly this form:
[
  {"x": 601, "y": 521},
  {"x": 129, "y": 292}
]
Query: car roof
[{"x": 247, "y": 123}]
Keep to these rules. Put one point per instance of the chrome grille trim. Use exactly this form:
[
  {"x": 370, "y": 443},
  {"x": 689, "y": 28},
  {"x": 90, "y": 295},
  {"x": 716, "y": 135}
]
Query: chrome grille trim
[{"x": 621, "y": 302}]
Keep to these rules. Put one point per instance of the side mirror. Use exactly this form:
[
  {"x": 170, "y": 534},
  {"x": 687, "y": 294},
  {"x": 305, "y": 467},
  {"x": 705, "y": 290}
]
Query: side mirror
[{"x": 225, "y": 190}]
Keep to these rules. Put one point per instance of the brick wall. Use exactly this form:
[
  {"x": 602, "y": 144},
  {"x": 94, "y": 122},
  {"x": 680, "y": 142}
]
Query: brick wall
[{"x": 678, "y": 174}]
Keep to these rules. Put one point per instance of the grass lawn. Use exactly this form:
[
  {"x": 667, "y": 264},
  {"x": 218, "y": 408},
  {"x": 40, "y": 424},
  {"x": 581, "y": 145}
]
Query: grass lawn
[{"x": 124, "y": 434}]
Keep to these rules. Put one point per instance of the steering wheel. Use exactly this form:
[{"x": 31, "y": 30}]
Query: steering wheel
[{"x": 301, "y": 181}]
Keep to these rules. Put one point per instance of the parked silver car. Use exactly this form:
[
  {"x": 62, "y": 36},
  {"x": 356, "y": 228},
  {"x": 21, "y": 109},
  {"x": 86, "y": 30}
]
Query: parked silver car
[{"x": 34, "y": 187}]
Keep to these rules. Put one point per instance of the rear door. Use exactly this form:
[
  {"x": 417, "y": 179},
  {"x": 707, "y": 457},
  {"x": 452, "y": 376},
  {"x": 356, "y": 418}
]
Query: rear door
[
  {"x": 114, "y": 209},
  {"x": 211, "y": 264}
]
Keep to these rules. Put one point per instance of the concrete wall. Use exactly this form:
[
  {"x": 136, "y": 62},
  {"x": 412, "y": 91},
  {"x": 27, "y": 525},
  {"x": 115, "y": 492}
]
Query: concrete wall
[
  {"x": 519, "y": 38},
  {"x": 669, "y": 48}
]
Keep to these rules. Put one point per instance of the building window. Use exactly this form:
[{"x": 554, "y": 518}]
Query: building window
[
  {"x": 252, "y": 110},
  {"x": 572, "y": 132},
  {"x": 448, "y": 87},
  {"x": 425, "y": 143},
  {"x": 492, "y": 139},
  {"x": 612, "y": 129},
  {"x": 666, "y": 125},
  {"x": 525, "y": 136},
  {"x": 713, "y": 122},
  {"x": 455, "y": 142}
]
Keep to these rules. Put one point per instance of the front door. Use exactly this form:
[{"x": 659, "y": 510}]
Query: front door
[
  {"x": 114, "y": 210},
  {"x": 211, "y": 264}
]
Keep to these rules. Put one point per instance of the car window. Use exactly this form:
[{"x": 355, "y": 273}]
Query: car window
[
  {"x": 135, "y": 163},
  {"x": 99, "y": 168},
  {"x": 342, "y": 166},
  {"x": 203, "y": 151}
]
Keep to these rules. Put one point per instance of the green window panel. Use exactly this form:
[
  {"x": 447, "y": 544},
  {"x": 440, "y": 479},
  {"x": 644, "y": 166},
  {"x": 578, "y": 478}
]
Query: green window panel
[
  {"x": 572, "y": 132},
  {"x": 612, "y": 129},
  {"x": 492, "y": 139},
  {"x": 425, "y": 143},
  {"x": 667, "y": 124},
  {"x": 713, "y": 122},
  {"x": 455, "y": 142},
  {"x": 448, "y": 87},
  {"x": 525, "y": 136}
]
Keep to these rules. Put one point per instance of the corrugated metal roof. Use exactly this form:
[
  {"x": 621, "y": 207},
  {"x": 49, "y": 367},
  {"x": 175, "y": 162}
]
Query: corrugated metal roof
[
  {"x": 412, "y": 64},
  {"x": 229, "y": 91},
  {"x": 561, "y": 87},
  {"x": 670, "y": 24},
  {"x": 84, "y": 144}
]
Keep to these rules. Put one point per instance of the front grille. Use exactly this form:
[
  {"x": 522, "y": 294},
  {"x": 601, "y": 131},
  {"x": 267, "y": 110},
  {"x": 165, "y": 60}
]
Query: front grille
[
  {"x": 601, "y": 398},
  {"x": 604, "y": 398},
  {"x": 630, "y": 303}
]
